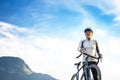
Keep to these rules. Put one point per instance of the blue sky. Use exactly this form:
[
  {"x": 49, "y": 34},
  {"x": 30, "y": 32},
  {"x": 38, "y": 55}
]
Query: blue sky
[
  {"x": 47, "y": 32},
  {"x": 57, "y": 15}
]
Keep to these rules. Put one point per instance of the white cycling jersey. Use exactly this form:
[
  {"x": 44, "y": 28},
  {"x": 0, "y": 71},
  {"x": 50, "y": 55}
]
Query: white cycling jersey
[{"x": 90, "y": 47}]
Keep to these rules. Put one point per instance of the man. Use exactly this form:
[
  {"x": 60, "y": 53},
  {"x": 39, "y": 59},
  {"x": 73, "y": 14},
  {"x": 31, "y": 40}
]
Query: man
[{"x": 90, "y": 47}]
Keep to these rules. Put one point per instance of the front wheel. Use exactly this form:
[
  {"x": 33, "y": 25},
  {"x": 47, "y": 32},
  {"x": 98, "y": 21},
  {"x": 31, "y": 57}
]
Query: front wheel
[
  {"x": 82, "y": 77},
  {"x": 74, "y": 77},
  {"x": 91, "y": 77}
]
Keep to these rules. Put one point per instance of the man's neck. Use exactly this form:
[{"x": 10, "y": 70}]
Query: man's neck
[{"x": 88, "y": 39}]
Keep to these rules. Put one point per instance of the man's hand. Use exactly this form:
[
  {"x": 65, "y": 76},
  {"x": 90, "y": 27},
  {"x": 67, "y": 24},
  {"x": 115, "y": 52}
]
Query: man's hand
[
  {"x": 83, "y": 51},
  {"x": 101, "y": 56}
]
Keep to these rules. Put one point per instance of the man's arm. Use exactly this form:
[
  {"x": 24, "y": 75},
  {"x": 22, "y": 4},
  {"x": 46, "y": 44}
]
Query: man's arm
[{"x": 98, "y": 50}]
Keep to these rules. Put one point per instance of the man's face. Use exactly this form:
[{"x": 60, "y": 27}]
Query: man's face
[{"x": 88, "y": 34}]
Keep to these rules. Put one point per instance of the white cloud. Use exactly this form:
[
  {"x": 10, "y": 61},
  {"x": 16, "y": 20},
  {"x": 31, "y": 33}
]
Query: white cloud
[
  {"x": 56, "y": 56},
  {"x": 117, "y": 21},
  {"x": 108, "y": 7},
  {"x": 101, "y": 32},
  {"x": 43, "y": 53},
  {"x": 11, "y": 31},
  {"x": 109, "y": 46}
]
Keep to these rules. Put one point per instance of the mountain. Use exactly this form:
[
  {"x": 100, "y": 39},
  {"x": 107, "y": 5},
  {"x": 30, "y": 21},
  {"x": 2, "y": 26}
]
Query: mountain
[{"x": 14, "y": 68}]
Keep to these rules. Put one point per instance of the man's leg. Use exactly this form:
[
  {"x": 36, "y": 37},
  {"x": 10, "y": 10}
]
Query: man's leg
[{"x": 94, "y": 72}]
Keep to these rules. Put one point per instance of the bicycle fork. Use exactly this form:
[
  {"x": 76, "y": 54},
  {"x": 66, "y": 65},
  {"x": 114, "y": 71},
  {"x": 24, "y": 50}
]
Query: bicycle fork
[
  {"x": 77, "y": 75},
  {"x": 87, "y": 73}
]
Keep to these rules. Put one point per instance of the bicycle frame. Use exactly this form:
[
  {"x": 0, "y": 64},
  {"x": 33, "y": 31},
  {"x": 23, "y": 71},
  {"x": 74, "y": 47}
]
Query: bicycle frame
[{"x": 85, "y": 66}]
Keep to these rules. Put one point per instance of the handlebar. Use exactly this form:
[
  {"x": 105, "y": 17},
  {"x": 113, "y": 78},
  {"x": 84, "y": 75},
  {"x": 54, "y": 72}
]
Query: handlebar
[
  {"x": 91, "y": 56},
  {"x": 88, "y": 55}
]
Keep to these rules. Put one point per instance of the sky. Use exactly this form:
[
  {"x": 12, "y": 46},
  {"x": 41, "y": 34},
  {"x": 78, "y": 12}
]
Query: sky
[{"x": 46, "y": 34}]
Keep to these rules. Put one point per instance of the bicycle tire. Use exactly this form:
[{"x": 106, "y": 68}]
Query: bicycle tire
[
  {"x": 96, "y": 68},
  {"x": 74, "y": 77}
]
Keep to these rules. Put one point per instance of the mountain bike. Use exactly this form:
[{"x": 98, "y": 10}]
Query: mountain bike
[{"x": 86, "y": 73}]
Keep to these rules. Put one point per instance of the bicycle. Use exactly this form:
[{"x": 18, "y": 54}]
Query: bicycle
[{"x": 87, "y": 73}]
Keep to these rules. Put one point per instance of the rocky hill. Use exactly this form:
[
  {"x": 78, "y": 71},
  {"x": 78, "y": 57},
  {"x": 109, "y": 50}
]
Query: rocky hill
[{"x": 14, "y": 68}]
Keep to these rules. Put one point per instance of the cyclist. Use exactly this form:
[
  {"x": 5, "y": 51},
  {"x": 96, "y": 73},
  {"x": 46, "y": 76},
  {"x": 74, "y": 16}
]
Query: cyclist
[{"x": 89, "y": 46}]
